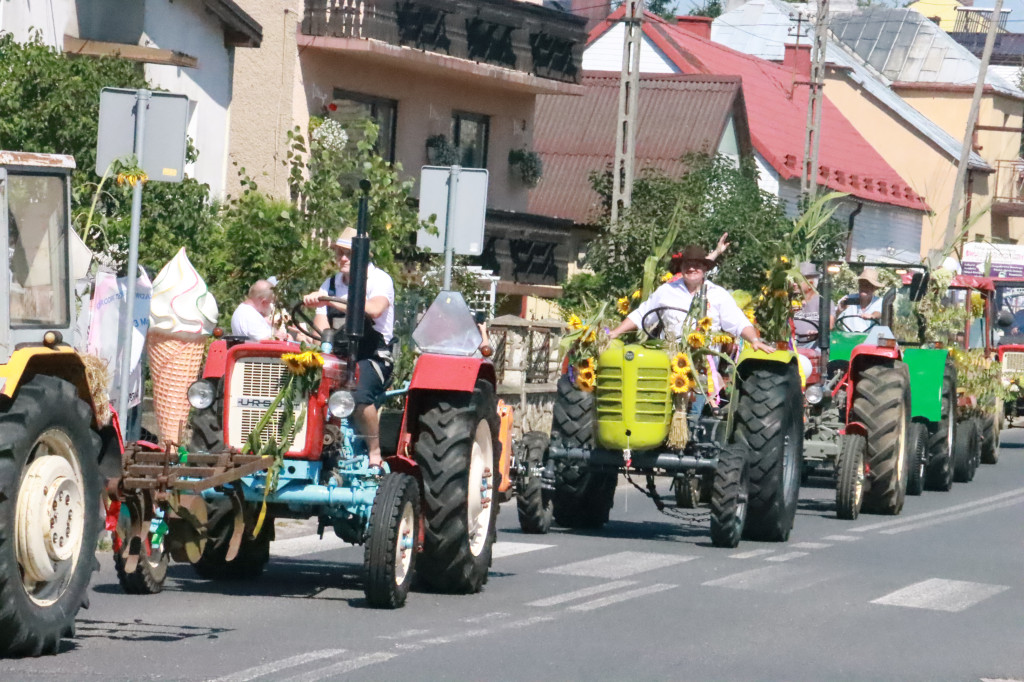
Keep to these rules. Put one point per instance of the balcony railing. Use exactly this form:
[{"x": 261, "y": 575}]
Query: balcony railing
[{"x": 505, "y": 33}]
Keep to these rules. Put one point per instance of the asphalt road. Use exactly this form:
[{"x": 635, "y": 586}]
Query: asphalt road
[{"x": 934, "y": 594}]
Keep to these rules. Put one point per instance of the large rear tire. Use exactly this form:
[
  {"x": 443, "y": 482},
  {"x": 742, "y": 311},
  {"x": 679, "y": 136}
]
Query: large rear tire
[
  {"x": 50, "y": 479},
  {"x": 881, "y": 402},
  {"x": 457, "y": 449},
  {"x": 390, "y": 556},
  {"x": 533, "y": 502},
  {"x": 769, "y": 425},
  {"x": 918, "y": 458},
  {"x": 850, "y": 476},
  {"x": 253, "y": 553},
  {"x": 966, "y": 451},
  {"x": 941, "y": 436},
  {"x": 583, "y": 497},
  {"x": 990, "y": 429},
  {"x": 729, "y": 496}
]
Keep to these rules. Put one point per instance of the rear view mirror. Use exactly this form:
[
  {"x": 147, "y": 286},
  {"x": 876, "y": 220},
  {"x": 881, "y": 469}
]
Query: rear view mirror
[
  {"x": 919, "y": 285},
  {"x": 1004, "y": 319}
]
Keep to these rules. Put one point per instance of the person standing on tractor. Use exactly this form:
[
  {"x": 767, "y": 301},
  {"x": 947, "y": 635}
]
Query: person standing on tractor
[
  {"x": 679, "y": 292},
  {"x": 373, "y": 356},
  {"x": 861, "y": 311}
]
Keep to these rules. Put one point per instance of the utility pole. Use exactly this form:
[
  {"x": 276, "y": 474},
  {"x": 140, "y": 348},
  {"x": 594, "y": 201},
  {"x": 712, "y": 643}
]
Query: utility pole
[
  {"x": 809, "y": 177},
  {"x": 629, "y": 90},
  {"x": 972, "y": 121}
]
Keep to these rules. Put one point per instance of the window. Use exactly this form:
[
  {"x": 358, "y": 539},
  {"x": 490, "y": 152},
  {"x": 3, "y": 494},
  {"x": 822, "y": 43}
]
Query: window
[
  {"x": 351, "y": 107},
  {"x": 469, "y": 135}
]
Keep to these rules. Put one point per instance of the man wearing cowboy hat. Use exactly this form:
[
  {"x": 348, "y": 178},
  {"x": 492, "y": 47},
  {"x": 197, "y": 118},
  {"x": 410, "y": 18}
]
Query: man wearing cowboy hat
[
  {"x": 373, "y": 355},
  {"x": 861, "y": 311},
  {"x": 678, "y": 294}
]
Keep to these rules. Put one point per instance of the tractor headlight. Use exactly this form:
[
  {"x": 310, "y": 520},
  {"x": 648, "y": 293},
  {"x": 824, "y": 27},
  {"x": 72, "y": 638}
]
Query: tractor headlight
[
  {"x": 341, "y": 404},
  {"x": 813, "y": 395},
  {"x": 200, "y": 394}
]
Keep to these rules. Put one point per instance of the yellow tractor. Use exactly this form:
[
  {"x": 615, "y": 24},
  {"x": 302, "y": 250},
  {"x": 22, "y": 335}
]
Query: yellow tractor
[{"x": 50, "y": 441}]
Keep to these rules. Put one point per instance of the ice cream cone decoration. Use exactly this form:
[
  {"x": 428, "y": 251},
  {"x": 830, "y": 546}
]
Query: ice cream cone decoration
[{"x": 182, "y": 315}]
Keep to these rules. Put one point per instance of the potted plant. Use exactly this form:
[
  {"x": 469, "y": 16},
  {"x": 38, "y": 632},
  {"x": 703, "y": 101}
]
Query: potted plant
[
  {"x": 441, "y": 152},
  {"x": 526, "y": 165}
]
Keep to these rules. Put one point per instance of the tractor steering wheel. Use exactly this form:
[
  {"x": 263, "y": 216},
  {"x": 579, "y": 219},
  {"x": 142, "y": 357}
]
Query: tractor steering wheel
[
  {"x": 655, "y": 328},
  {"x": 304, "y": 322},
  {"x": 843, "y": 327},
  {"x": 810, "y": 336}
]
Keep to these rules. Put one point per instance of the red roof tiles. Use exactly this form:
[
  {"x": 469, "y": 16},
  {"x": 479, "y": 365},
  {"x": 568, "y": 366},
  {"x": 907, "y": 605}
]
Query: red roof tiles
[{"x": 777, "y": 105}]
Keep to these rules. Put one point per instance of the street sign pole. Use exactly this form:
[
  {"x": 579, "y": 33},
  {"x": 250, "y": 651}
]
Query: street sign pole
[
  {"x": 449, "y": 224},
  {"x": 141, "y": 103}
]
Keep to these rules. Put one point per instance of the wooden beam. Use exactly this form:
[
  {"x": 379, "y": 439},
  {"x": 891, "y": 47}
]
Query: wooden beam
[
  {"x": 134, "y": 53},
  {"x": 1000, "y": 129},
  {"x": 538, "y": 290}
]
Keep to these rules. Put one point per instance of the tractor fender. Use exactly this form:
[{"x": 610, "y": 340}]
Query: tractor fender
[
  {"x": 855, "y": 429},
  {"x": 751, "y": 359},
  {"x": 62, "y": 362},
  {"x": 866, "y": 356},
  {"x": 927, "y": 368},
  {"x": 216, "y": 360}
]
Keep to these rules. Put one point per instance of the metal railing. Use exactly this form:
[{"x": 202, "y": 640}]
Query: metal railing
[
  {"x": 1010, "y": 181},
  {"x": 514, "y": 35}
]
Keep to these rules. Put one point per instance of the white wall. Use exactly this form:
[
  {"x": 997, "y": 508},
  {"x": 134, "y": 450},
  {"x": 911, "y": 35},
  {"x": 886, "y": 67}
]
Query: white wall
[
  {"x": 605, "y": 54},
  {"x": 23, "y": 17}
]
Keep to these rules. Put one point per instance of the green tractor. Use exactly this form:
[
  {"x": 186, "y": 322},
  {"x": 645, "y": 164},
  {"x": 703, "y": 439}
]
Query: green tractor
[{"x": 744, "y": 455}]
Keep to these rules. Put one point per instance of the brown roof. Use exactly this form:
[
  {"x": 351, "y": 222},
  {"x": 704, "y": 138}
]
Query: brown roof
[{"x": 678, "y": 114}]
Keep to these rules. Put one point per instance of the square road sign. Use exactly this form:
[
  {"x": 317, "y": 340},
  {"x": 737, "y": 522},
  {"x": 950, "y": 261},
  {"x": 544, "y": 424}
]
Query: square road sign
[
  {"x": 470, "y": 209},
  {"x": 163, "y": 151}
]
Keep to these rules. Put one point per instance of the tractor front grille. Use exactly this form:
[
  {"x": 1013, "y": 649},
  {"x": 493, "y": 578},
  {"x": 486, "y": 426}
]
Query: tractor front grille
[
  {"x": 1013, "y": 362},
  {"x": 652, "y": 394},
  {"x": 255, "y": 382},
  {"x": 609, "y": 393}
]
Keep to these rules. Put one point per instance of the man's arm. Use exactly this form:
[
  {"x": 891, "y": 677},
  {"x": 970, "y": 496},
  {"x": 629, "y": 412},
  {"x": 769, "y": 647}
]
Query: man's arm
[{"x": 377, "y": 306}]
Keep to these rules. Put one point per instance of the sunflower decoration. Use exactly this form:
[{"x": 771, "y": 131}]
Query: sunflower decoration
[
  {"x": 696, "y": 340},
  {"x": 711, "y": 381},
  {"x": 722, "y": 339},
  {"x": 586, "y": 364},
  {"x": 704, "y": 324},
  {"x": 749, "y": 312},
  {"x": 132, "y": 177},
  {"x": 680, "y": 383},
  {"x": 575, "y": 323},
  {"x": 681, "y": 363},
  {"x": 622, "y": 305},
  {"x": 299, "y": 363},
  {"x": 585, "y": 380},
  {"x": 589, "y": 336},
  {"x": 666, "y": 277},
  {"x": 635, "y": 295}
]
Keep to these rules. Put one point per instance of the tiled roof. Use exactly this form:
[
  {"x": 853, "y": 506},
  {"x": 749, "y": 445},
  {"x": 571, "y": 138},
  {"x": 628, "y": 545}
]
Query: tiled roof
[
  {"x": 777, "y": 107},
  {"x": 762, "y": 28},
  {"x": 575, "y": 136}
]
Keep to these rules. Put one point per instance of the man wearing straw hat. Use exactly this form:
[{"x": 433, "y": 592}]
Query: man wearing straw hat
[
  {"x": 373, "y": 355},
  {"x": 861, "y": 311}
]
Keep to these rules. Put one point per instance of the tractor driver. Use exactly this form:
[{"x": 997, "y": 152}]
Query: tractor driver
[
  {"x": 373, "y": 356},
  {"x": 678, "y": 293}
]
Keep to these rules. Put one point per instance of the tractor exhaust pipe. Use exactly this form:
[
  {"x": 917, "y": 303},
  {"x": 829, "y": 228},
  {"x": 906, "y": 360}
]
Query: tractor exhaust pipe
[{"x": 355, "y": 316}]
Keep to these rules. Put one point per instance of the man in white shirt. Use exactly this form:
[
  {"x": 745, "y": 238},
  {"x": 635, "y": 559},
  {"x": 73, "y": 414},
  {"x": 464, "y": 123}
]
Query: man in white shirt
[
  {"x": 373, "y": 356},
  {"x": 250, "y": 317},
  {"x": 861, "y": 311},
  {"x": 678, "y": 293}
]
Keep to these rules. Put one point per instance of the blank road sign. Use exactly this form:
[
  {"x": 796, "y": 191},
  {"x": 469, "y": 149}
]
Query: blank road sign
[
  {"x": 470, "y": 209},
  {"x": 163, "y": 151}
]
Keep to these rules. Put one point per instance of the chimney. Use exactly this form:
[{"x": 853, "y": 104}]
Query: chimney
[
  {"x": 698, "y": 26},
  {"x": 798, "y": 59},
  {"x": 593, "y": 10}
]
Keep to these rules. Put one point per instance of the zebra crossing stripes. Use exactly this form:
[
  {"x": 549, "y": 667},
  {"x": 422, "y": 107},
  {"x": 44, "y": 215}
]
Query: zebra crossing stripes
[
  {"x": 776, "y": 579},
  {"x": 503, "y": 549},
  {"x": 619, "y": 565},
  {"x": 937, "y": 594}
]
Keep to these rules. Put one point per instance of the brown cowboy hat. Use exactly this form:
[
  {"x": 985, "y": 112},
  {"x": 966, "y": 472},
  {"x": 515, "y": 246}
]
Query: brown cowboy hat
[{"x": 690, "y": 253}]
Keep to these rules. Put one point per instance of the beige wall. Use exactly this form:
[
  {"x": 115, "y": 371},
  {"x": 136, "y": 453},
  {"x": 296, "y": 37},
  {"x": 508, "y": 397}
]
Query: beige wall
[
  {"x": 265, "y": 86},
  {"x": 949, "y": 110}
]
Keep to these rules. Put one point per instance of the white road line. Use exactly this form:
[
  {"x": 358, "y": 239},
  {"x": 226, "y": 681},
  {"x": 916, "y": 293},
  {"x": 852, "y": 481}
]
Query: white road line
[
  {"x": 773, "y": 579},
  {"x": 480, "y": 632},
  {"x": 939, "y": 512},
  {"x": 306, "y": 544},
  {"x": 787, "y": 556},
  {"x": 580, "y": 594},
  {"x": 620, "y": 597},
  {"x": 493, "y": 615},
  {"x": 621, "y": 565},
  {"x": 335, "y": 669},
  {"x": 506, "y": 549},
  {"x": 841, "y": 538},
  {"x": 404, "y": 634},
  {"x": 937, "y": 594},
  {"x": 277, "y": 666},
  {"x": 952, "y": 517},
  {"x": 751, "y": 553},
  {"x": 809, "y": 545}
]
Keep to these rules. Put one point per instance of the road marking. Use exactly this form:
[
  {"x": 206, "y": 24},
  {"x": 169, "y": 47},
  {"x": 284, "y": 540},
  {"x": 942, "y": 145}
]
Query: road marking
[
  {"x": 939, "y": 512},
  {"x": 580, "y": 594},
  {"x": 506, "y": 549},
  {"x": 774, "y": 579},
  {"x": 620, "y": 597},
  {"x": 787, "y": 556},
  {"x": 494, "y": 615},
  {"x": 480, "y": 632},
  {"x": 809, "y": 545},
  {"x": 306, "y": 544},
  {"x": 751, "y": 553},
  {"x": 937, "y": 594},
  {"x": 952, "y": 517},
  {"x": 277, "y": 666},
  {"x": 841, "y": 538},
  {"x": 621, "y": 565},
  {"x": 342, "y": 667},
  {"x": 404, "y": 634}
]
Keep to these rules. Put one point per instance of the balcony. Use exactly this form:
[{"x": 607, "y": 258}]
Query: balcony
[
  {"x": 1009, "y": 194},
  {"x": 517, "y": 41}
]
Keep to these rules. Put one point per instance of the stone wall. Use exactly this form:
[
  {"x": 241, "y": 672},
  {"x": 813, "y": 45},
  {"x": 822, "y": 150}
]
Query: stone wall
[{"x": 526, "y": 360}]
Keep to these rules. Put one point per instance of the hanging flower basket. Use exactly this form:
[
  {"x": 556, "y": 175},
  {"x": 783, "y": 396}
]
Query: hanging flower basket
[
  {"x": 441, "y": 152},
  {"x": 526, "y": 165}
]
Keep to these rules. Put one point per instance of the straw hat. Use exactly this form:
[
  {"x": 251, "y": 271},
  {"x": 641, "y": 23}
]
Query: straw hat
[
  {"x": 870, "y": 275},
  {"x": 345, "y": 240}
]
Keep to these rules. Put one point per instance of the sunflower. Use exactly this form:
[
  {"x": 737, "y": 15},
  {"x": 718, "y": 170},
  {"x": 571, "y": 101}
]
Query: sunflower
[
  {"x": 784, "y": 260},
  {"x": 680, "y": 383},
  {"x": 795, "y": 305},
  {"x": 298, "y": 363},
  {"x": 681, "y": 363},
  {"x": 623, "y": 306},
  {"x": 780, "y": 293},
  {"x": 585, "y": 384},
  {"x": 575, "y": 323},
  {"x": 635, "y": 295},
  {"x": 750, "y": 315},
  {"x": 704, "y": 324},
  {"x": 590, "y": 336},
  {"x": 666, "y": 277},
  {"x": 585, "y": 364},
  {"x": 722, "y": 339},
  {"x": 696, "y": 340},
  {"x": 711, "y": 382},
  {"x": 587, "y": 374}
]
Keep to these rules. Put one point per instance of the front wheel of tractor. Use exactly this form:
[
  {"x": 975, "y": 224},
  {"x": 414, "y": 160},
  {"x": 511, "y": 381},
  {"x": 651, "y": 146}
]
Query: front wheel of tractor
[
  {"x": 533, "y": 502},
  {"x": 390, "y": 555},
  {"x": 729, "y": 496},
  {"x": 850, "y": 476}
]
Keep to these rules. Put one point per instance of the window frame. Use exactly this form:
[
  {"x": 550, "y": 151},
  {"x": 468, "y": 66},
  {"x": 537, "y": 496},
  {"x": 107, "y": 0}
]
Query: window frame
[
  {"x": 456, "y": 131},
  {"x": 374, "y": 101}
]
